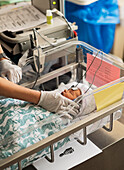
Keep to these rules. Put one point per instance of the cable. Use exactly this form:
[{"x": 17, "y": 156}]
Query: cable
[
  {"x": 79, "y": 98},
  {"x": 91, "y": 63},
  {"x": 43, "y": 87},
  {"x": 95, "y": 72},
  {"x": 37, "y": 57},
  {"x": 88, "y": 67},
  {"x": 38, "y": 72},
  {"x": 44, "y": 38},
  {"x": 61, "y": 15},
  {"x": 93, "y": 77},
  {"x": 68, "y": 25},
  {"x": 37, "y": 48}
]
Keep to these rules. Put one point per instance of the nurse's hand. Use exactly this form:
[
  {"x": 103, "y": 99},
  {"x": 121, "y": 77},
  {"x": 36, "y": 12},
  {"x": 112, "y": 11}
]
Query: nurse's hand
[
  {"x": 10, "y": 71},
  {"x": 55, "y": 102}
]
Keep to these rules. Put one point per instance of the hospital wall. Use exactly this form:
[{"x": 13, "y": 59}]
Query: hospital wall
[{"x": 118, "y": 46}]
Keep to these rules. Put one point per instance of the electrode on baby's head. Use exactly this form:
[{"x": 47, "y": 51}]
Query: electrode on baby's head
[
  {"x": 74, "y": 87},
  {"x": 72, "y": 93}
]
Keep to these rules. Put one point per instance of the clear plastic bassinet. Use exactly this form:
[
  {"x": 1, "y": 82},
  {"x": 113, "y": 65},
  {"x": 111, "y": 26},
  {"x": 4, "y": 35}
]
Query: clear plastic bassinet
[{"x": 28, "y": 130}]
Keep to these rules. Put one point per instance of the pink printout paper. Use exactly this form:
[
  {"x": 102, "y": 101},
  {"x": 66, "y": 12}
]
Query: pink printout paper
[{"x": 106, "y": 73}]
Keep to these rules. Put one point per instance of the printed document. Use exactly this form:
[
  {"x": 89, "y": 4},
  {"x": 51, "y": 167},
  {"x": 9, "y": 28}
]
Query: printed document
[{"x": 20, "y": 17}]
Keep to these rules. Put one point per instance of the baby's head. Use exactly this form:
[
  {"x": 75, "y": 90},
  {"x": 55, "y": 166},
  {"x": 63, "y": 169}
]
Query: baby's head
[
  {"x": 87, "y": 102},
  {"x": 72, "y": 93}
]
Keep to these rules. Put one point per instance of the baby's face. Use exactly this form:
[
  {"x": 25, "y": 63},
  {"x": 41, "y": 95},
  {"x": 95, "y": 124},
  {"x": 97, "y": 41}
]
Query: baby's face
[{"x": 71, "y": 94}]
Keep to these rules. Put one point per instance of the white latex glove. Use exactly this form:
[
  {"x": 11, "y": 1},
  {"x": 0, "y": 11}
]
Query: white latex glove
[
  {"x": 55, "y": 102},
  {"x": 10, "y": 71}
]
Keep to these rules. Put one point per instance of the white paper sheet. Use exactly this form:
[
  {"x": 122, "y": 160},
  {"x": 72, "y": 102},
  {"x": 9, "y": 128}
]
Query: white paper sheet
[
  {"x": 81, "y": 153},
  {"x": 20, "y": 17}
]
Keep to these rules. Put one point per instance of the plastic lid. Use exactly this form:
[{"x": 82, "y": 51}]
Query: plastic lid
[{"x": 48, "y": 12}]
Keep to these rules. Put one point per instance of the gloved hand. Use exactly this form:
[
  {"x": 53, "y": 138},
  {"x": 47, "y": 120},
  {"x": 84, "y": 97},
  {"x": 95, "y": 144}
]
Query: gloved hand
[
  {"x": 55, "y": 102},
  {"x": 10, "y": 71}
]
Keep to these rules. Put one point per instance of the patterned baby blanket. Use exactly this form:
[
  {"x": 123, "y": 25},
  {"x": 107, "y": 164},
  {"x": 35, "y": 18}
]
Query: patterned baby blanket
[{"x": 23, "y": 124}]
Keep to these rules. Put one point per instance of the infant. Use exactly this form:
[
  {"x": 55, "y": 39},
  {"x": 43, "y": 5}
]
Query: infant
[{"x": 87, "y": 102}]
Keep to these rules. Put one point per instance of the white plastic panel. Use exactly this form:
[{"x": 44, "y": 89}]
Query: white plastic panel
[
  {"x": 82, "y": 2},
  {"x": 80, "y": 154}
]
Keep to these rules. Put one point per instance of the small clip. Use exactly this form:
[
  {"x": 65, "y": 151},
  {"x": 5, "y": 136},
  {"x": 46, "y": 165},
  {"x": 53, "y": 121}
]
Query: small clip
[
  {"x": 67, "y": 151},
  {"x": 74, "y": 87}
]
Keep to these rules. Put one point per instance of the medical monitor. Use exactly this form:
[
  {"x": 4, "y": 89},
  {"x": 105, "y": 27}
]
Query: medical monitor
[{"x": 43, "y": 5}]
